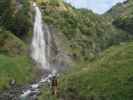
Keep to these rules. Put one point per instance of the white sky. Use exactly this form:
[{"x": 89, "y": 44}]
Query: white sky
[{"x": 97, "y": 6}]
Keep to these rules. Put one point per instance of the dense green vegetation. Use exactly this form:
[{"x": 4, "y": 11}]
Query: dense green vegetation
[
  {"x": 17, "y": 68},
  {"x": 10, "y": 44},
  {"x": 120, "y": 9},
  {"x": 107, "y": 78},
  {"x": 122, "y": 15},
  {"x": 15, "y": 16},
  {"x": 102, "y": 67},
  {"x": 14, "y": 61},
  {"x": 125, "y": 22},
  {"x": 86, "y": 33},
  {"x": 109, "y": 75}
]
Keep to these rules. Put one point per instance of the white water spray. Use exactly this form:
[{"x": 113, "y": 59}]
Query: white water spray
[
  {"x": 38, "y": 41},
  {"x": 39, "y": 54}
]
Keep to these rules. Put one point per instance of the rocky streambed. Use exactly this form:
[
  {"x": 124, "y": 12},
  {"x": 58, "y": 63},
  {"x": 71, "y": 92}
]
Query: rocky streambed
[
  {"x": 11, "y": 94},
  {"x": 27, "y": 92}
]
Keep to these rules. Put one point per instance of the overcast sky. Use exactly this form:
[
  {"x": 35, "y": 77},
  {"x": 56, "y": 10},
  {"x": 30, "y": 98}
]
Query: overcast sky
[{"x": 98, "y": 6}]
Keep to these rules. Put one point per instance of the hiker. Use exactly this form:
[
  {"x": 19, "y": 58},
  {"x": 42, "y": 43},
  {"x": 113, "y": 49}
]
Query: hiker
[{"x": 54, "y": 85}]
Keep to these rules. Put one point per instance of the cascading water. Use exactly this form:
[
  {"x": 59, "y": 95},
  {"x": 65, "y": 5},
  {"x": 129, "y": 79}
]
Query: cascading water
[
  {"x": 39, "y": 54},
  {"x": 39, "y": 42}
]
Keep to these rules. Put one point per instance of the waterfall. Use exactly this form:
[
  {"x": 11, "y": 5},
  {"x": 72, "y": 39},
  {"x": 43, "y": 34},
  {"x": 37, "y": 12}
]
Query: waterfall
[
  {"x": 39, "y": 53},
  {"x": 39, "y": 40}
]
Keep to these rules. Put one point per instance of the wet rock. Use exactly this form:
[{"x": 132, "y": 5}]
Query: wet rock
[{"x": 11, "y": 94}]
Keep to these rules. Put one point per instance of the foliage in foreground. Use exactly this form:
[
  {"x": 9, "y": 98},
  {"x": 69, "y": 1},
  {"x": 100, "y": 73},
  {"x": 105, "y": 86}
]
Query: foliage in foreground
[
  {"x": 17, "y": 68},
  {"x": 14, "y": 61},
  {"x": 10, "y": 44},
  {"x": 108, "y": 78}
]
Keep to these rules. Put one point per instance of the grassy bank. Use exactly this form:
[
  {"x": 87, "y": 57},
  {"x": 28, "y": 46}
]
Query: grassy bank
[
  {"x": 17, "y": 68},
  {"x": 14, "y": 61},
  {"x": 108, "y": 78}
]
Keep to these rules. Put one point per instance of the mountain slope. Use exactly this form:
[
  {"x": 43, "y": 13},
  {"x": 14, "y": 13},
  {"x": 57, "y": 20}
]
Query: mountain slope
[
  {"x": 84, "y": 34},
  {"x": 10, "y": 44},
  {"x": 122, "y": 16},
  {"x": 107, "y": 78},
  {"x": 125, "y": 19},
  {"x": 16, "y": 16},
  {"x": 15, "y": 63},
  {"x": 121, "y": 9},
  {"x": 110, "y": 77},
  {"x": 81, "y": 35}
]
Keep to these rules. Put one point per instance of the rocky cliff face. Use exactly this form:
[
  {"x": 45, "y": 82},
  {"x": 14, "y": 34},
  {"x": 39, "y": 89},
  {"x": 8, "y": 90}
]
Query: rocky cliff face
[{"x": 58, "y": 57}]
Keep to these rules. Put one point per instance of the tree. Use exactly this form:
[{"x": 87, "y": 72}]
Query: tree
[{"x": 15, "y": 16}]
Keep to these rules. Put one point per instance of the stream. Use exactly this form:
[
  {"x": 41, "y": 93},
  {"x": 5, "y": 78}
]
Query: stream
[
  {"x": 34, "y": 90},
  {"x": 39, "y": 54}
]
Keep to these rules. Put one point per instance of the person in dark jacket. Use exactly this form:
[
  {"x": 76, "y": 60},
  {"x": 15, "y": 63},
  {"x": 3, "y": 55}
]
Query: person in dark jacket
[{"x": 54, "y": 84}]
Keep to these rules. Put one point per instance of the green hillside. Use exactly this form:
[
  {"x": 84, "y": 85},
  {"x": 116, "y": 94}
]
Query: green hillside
[
  {"x": 122, "y": 15},
  {"x": 121, "y": 9},
  {"x": 17, "y": 68},
  {"x": 16, "y": 16},
  {"x": 100, "y": 47},
  {"x": 10, "y": 44},
  {"x": 86, "y": 34},
  {"x": 107, "y": 78},
  {"x": 125, "y": 19},
  {"x": 109, "y": 75},
  {"x": 15, "y": 63}
]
